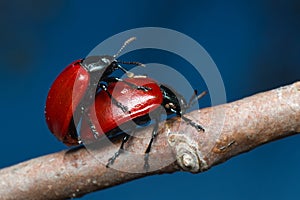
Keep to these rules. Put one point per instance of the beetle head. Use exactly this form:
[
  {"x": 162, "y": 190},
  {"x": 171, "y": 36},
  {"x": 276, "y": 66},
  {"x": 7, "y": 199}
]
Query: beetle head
[
  {"x": 98, "y": 63},
  {"x": 173, "y": 101}
]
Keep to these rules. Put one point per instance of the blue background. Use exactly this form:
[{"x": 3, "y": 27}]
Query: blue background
[{"x": 255, "y": 45}]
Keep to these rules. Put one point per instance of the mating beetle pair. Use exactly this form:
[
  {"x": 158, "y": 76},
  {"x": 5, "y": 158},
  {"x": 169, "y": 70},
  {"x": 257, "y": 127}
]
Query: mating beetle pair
[
  {"x": 73, "y": 91},
  {"x": 106, "y": 105}
]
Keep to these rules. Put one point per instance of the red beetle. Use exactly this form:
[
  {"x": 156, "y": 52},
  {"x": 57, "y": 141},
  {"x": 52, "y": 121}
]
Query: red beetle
[
  {"x": 111, "y": 121},
  {"x": 109, "y": 117},
  {"x": 74, "y": 90}
]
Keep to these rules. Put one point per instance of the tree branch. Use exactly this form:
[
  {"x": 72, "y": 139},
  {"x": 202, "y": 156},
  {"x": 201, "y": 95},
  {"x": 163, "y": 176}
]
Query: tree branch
[{"x": 230, "y": 129}]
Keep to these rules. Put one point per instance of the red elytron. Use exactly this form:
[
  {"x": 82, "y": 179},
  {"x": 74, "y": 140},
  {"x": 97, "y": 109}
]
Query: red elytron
[{"x": 62, "y": 101}]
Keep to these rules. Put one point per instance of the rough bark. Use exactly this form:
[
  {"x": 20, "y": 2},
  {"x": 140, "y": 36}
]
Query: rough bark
[{"x": 230, "y": 130}]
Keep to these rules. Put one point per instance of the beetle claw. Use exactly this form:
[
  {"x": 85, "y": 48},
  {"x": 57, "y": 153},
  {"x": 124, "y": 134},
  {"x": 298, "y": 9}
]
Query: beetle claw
[
  {"x": 113, "y": 158},
  {"x": 200, "y": 128}
]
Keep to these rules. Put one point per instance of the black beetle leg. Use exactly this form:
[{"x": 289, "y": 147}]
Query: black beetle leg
[
  {"x": 189, "y": 121},
  {"x": 192, "y": 123},
  {"x": 91, "y": 126},
  {"x": 137, "y": 87},
  {"x": 114, "y": 101},
  {"x": 132, "y": 85},
  {"x": 120, "y": 150},
  {"x": 153, "y": 136}
]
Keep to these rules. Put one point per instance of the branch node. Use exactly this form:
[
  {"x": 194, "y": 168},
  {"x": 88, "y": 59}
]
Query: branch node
[{"x": 188, "y": 155}]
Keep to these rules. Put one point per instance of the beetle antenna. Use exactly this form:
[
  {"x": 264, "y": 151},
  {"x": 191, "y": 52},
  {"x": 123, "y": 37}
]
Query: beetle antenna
[
  {"x": 124, "y": 45},
  {"x": 132, "y": 63},
  {"x": 194, "y": 98}
]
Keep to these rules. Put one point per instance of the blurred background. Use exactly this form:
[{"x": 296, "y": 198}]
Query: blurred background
[{"x": 255, "y": 45}]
